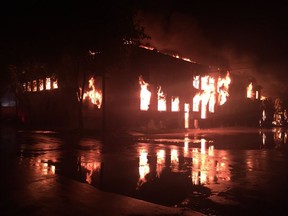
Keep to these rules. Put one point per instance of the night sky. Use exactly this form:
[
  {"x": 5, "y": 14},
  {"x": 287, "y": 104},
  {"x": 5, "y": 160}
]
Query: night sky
[{"x": 250, "y": 37}]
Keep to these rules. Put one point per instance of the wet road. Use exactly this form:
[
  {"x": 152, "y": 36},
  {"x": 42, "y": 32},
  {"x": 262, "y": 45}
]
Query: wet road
[{"x": 216, "y": 172}]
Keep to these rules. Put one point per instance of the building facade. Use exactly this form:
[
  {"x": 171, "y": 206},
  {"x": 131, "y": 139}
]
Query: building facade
[{"x": 143, "y": 90}]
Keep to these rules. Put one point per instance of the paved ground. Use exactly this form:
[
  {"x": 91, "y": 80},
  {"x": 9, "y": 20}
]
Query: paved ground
[{"x": 22, "y": 192}]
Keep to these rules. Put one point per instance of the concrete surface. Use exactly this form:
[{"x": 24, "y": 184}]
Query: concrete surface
[{"x": 25, "y": 193}]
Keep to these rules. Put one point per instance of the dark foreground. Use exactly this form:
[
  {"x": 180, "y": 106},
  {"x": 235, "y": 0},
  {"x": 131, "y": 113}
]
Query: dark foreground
[
  {"x": 57, "y": 195},
  {"x": 216, "y": 172},
  {"x": 25, "y": 192}
]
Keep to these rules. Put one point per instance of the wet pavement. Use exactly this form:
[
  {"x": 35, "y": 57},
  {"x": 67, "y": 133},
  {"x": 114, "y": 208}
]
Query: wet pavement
[
  {"x": 232, "y": 171},
  {"x": 57, "y": 195}
]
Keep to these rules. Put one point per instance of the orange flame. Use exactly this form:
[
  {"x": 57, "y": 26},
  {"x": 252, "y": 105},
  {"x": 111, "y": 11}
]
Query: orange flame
[
  {"x": 205, "y": 83},
  {"x": 34, "y": 85},
  {"x": 250, "y": 91},
  {"x": 146, "y": 47},
  {"x": 145, "y": 94},
  {"x": 175, "y": 104},
  {"x": 208, "y": 95},
  {"x": 205, "y": 96},
  {"x": 196, "y": 102},
  {"x": 24, "y": 87},
  {"x": 222, "y": 88},
  {"x": 94, "y": 95},
  {"x": 55, "y": 84},
  {"x": 161, "y": 100},
  {"x": 212, "y": 102},
  {"x": 41, "y": 84},
  {"x": 196, "y": 82},
  {"x": 174, "y": 56},
  {"x": 29, "y": 86},
  {"x": 48, "y": 83}
]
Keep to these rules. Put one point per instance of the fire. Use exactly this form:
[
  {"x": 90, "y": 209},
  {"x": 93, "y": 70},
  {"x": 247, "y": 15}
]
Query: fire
[
  {"x": 48, "y": 83},
  {"x": 250, "y": 90},
  {"x": 55, "y": 84},
  {"x": 161, "y": 100},
  {"x": 145, "y": 94},
  {"x": 182, "y": 58},
  {"x": 207, "y": 96},
  {"x": 196, "y": 102},
  {"x": 94, "y": 95},
  {"x": 41, "y": 85},
  {"x": 146, "y": 47},
  {"x": 175, "y": 104},
  {"x": 29, "y": 86},
  {"x": 212, "y": 102},
  {"x": 211, "y": 150},
  {"x": 203, "y": 146},
  {"x": 196, "y": 82},
  {"x": 24, "y": 87},
  {"x": 222, "y": 88},
  {"x": 204, "y": 83},
  {"x": 173, "y": 55},
  {"x": 257, "y": 94},
  {"x": 34, "y": 85},
  {"x": 263, "y": 97}
]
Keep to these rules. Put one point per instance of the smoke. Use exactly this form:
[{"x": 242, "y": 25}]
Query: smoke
[
  {"x": 179, "y": 33},
  {"x": 266, "y": 74}
]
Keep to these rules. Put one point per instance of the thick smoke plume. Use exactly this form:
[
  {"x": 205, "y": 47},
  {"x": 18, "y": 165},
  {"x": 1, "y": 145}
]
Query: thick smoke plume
[{"x": 180, "y": 33}]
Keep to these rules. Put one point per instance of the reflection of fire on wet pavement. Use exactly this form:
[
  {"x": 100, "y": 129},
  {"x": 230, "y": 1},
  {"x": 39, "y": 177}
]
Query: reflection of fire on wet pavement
[{"x": 200, "y": 172}]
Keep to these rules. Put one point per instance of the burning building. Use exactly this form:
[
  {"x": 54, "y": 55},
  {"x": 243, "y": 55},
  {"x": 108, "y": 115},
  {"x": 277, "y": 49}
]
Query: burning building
[
  {"x": 142, "y": 89},
  {"x": 153, "y": 90}
]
